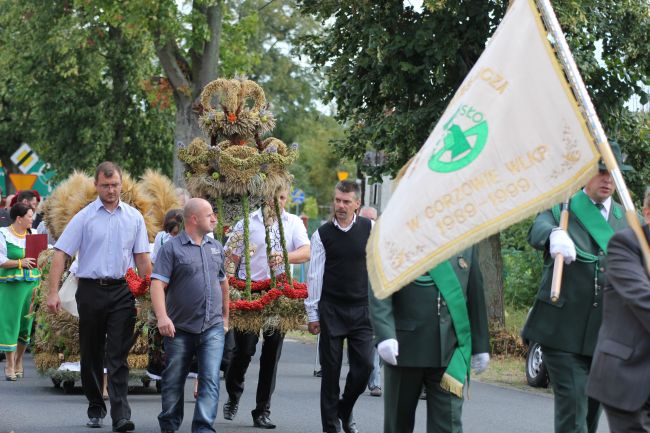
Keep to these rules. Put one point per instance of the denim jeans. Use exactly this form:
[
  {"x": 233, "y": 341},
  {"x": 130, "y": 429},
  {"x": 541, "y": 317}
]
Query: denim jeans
[
  {"x": 375, "y": 376},
  {"x": 208, "y": 347}
]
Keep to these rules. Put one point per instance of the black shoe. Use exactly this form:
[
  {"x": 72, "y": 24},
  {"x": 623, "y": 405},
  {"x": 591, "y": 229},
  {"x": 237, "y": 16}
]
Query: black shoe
[
  {"x": 230, "y": 409},
  {"x": 166, "y": 431},
  {"x": 262, "y": 421},
  {"x": 124, "y": 425},
  {"x": 94, "y": 422},
  {"x": 348, "y": 424}
]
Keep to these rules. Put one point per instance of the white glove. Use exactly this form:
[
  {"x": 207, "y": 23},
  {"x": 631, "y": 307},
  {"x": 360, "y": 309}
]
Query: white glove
[
  {"x": 561, "y": 243},
  {"x": 480, "y": 362},
  {"x": 388, "y": 351}
]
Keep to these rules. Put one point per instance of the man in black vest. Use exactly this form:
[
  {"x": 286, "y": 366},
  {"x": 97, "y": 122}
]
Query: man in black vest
[{"x": 337, "y": 307}]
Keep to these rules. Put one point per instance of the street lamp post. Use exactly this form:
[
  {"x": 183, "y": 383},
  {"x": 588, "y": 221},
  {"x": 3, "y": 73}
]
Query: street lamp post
[{"x": 374, "y": 158}]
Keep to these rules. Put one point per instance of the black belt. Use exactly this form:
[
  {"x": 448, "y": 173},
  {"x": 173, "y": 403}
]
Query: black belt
[{"x": 104, "y": 281}]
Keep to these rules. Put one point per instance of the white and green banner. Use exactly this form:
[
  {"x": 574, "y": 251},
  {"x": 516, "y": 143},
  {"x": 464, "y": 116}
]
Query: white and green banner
[{"x": 511, "y": 142}]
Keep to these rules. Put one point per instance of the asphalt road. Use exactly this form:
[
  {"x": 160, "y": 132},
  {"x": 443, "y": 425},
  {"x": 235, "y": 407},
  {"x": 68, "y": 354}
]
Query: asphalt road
[{"x": 33, "y": 405}]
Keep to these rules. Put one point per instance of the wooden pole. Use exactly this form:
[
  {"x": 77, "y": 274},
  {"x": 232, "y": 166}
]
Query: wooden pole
[
  {"x": 558, "y": 266},
  {"x": 593, "y": 123}
]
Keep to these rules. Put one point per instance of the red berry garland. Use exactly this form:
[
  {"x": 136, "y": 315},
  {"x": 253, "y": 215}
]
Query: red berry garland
[
  {"x": 138, "y": 286},
  {"x": 298, "y": 291}
]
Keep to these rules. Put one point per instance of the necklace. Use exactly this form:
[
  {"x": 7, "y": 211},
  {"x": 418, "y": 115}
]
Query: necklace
[{"x": 11, "y": 227}]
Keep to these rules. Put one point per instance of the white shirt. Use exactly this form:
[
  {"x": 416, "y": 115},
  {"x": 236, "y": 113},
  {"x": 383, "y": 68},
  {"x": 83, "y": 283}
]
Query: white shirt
[
  {"x": 161, "y": 238},
  {"x": 295, "y": 235},
  {"x": 607, "y": 204},
  {"x": 316, "y": 270}
]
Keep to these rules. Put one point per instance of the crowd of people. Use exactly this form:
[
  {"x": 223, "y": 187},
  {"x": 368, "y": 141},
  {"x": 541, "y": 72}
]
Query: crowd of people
[{"x": 429, "y": 335}]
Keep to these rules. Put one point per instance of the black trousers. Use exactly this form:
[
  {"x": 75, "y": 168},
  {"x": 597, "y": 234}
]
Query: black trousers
[
  {"x": 628, "y": 422},
  {"x": 228, "y": 349},
  {"x": 244, "y": 350},
  {"x": 403, "y": 386},
  {"x": 107, "y": 318},
  {"x": 338, "y": 323}
]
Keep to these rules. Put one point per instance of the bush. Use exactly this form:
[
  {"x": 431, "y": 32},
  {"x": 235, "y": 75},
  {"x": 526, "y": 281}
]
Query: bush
[{"x": 522, "y": 267}]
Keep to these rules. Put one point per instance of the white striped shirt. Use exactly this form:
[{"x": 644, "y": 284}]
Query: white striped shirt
[{"x": 316, "y": 270}]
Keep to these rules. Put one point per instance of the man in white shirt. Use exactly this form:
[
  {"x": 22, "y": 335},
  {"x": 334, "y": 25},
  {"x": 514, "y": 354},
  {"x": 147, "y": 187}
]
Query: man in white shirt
[
  {"x": 297, "y": 243},
  {"x": 337, "y": 307}
]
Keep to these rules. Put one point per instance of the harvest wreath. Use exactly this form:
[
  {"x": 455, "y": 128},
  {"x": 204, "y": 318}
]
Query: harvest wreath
[{"x": 238, "y": 169}]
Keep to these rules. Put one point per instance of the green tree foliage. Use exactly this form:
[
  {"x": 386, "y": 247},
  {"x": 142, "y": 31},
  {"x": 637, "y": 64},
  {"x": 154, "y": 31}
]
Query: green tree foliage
[
  {"x": 83, "y": 80},
  {"x": 392, "y": 69},
  {"x": 74, "y": 86},
  {"x": 522, "y": 266},
  {"x": 632, "y": 130},
  {"x": 311, "y": 207},
  {"x": 207, "y": 39},
  {"x": 291, "y": 88},
  {"x": 317, "y": 165}
]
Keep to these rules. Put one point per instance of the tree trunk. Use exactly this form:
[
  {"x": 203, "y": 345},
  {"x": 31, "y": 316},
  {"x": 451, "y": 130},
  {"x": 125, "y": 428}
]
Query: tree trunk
[
  {"x": 186, "y": 129},
  {"x": 188, "y": 80},
  {"x": 491, "y": 264}
]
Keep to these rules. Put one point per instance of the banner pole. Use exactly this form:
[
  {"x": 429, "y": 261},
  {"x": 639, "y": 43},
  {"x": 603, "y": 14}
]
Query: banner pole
[
  {"x": 558, "y": 266},
  {"x": 593, "y": 123}
]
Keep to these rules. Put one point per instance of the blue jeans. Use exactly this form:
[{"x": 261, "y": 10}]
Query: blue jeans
[
  {"x": 208, "y": 347},
  {"x": 375, "y": 376}
]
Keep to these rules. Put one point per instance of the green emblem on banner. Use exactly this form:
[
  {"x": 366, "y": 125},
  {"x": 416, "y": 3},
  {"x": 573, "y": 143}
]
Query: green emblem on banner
[{"x": 458, "y": 148}]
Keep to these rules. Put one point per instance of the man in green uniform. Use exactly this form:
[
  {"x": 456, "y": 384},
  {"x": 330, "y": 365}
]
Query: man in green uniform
[
  {"x": 568, "y": 329},
  {"x": 430, "y": 333}
]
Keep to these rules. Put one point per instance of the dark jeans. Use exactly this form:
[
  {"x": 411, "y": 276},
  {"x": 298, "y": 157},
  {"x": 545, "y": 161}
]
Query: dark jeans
[
  {"x": 106, "y": 322},
  {"x": 245, "y": 343},
  {"x": 208, "y": 348}
]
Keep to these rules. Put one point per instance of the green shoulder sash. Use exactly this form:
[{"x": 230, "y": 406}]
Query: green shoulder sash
[
  {"x": 458, "y": 369},
  {"x": 591, "y": 218}
]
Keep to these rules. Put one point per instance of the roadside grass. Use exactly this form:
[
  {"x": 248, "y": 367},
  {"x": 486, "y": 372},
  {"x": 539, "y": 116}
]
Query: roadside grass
[
  {"x": 507, "y": 363},
  {"x": 301, "y": 336}
]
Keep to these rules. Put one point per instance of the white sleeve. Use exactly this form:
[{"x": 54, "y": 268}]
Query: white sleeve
[
  {"x": 157, "y": 243},
  {"x": 315, "y": 277},
  {"x": 299, "y": 236},
  {"x": 3, "y": 249}
]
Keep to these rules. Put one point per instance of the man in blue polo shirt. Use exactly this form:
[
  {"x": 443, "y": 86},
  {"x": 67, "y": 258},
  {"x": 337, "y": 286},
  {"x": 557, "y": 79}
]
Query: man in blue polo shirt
[{"x": 189, "y": 293}]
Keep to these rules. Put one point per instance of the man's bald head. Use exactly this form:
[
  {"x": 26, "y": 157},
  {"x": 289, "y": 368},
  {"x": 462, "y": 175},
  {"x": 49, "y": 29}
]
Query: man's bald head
[
  {"x": 198, "y": 216},
  {"x": 368, "y": 212},
  {"x": 194, "y": 207}
]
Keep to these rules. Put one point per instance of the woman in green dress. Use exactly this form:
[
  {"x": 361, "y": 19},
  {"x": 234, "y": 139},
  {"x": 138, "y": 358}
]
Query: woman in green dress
[{"x": 18, "y": 278}]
